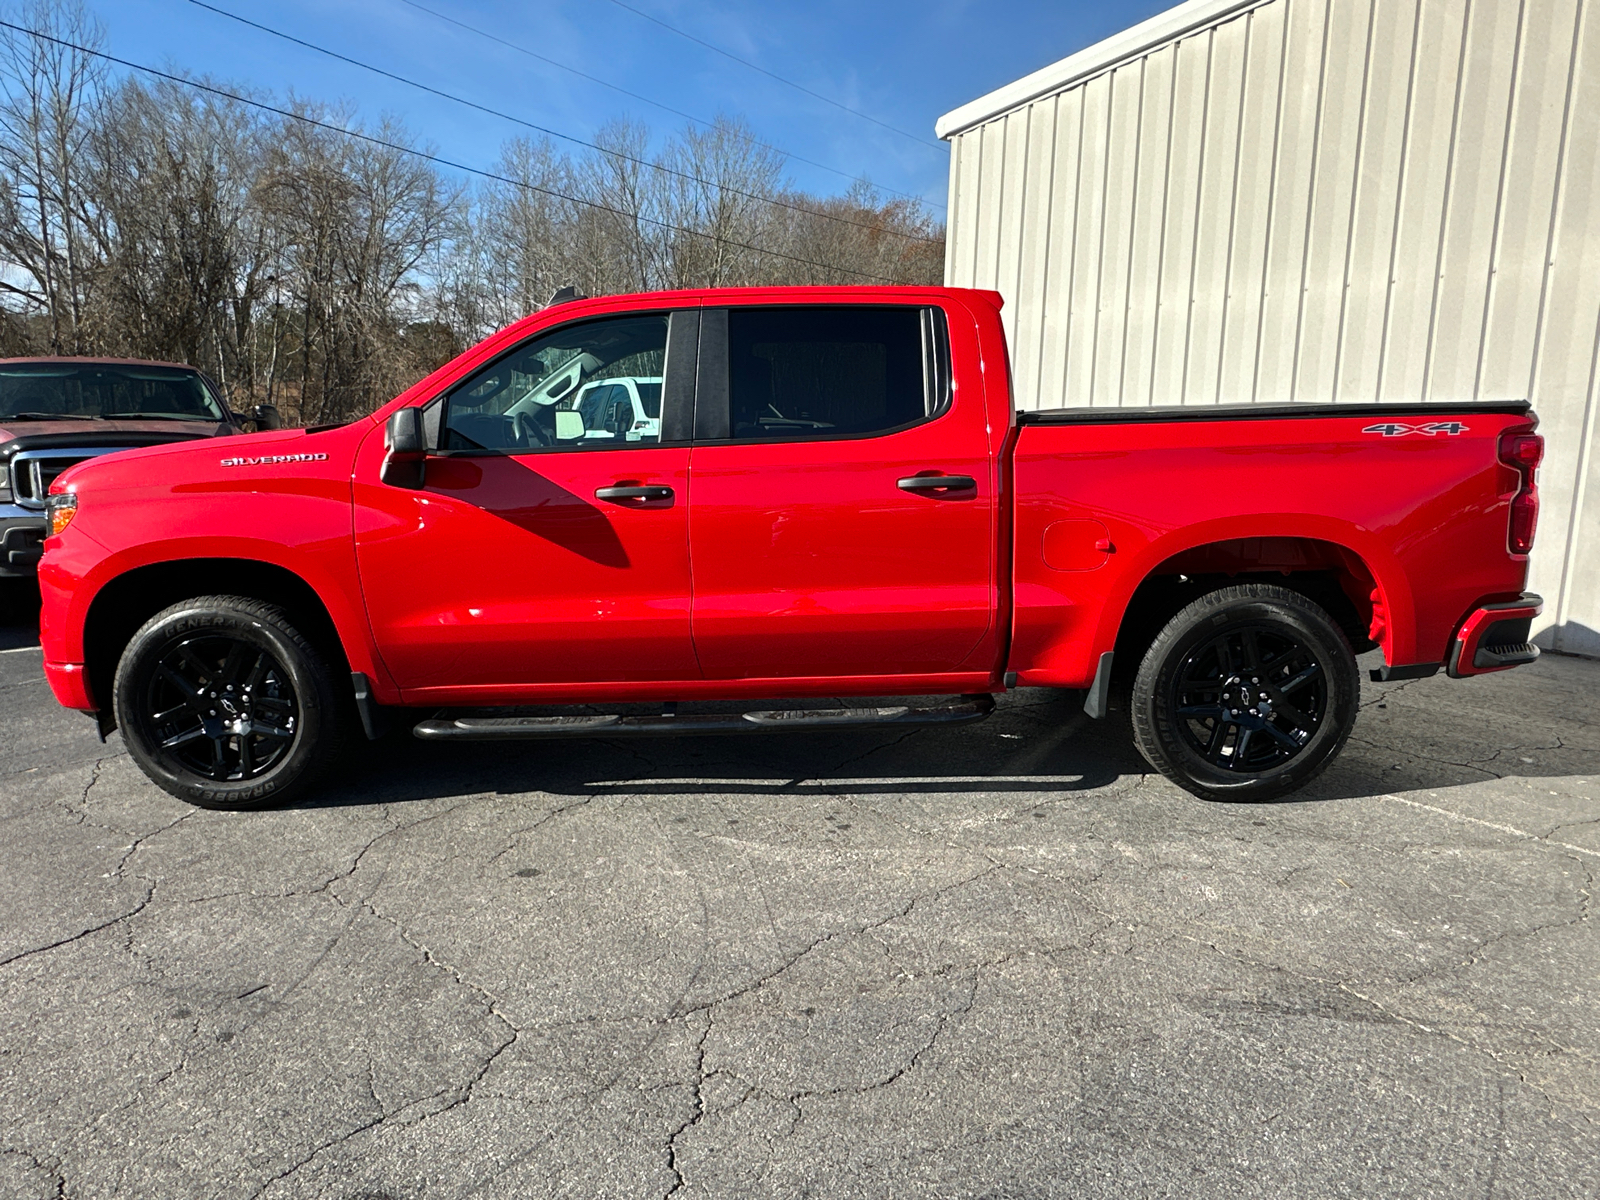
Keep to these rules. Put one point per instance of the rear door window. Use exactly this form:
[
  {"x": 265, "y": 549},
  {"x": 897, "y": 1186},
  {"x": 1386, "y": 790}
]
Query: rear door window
[{"x": 813, "y": 372}]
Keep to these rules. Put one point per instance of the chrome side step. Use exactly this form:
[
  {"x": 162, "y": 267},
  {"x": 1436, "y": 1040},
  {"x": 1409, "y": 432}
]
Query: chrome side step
[{"x": 491, "y": 729}]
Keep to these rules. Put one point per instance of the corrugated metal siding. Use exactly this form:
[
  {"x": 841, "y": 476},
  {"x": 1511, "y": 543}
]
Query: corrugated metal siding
[{"x": 1319, "y": 200}]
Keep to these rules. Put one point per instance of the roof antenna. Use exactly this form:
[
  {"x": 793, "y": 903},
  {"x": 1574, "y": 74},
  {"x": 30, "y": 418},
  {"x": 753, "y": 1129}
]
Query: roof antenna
[{"x": 562, "y": 295}]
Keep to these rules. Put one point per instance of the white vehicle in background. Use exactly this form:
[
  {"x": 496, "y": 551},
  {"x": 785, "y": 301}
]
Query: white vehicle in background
[{"x": 625, "y": 407}]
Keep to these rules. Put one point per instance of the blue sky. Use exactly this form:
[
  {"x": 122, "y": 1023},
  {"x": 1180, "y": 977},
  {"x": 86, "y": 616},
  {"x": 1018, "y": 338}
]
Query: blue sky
[{"x": 903, "y": 62}]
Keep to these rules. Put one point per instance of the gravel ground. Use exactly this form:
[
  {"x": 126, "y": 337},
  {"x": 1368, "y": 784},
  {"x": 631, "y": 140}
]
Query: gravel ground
[{"x": 1000, "y": 961}]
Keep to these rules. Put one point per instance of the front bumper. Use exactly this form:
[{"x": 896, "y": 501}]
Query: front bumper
[
  {"x": 70, "y": 684},
  {"x": 1494, "y": 637},
  {"x": 21, "y": 541}
]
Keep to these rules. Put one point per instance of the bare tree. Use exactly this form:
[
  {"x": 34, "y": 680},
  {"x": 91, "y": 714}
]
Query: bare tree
[
  {"x": 322, "y": 265},
  {"x": 47, "y": 112}
]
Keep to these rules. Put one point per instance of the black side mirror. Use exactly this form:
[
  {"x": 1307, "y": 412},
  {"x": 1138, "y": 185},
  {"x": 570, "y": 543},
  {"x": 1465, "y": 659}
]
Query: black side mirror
[
  {"x": 406, "y": 462},
  {"x": 266, "y": 416}
]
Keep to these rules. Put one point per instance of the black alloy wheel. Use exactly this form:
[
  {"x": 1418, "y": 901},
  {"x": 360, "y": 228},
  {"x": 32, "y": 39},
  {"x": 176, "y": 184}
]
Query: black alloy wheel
[
  {"x": 1250, "y": 698},
  {"x": 222, "y": 707},
  {"x": 1246, "y": 694},
  {"x": 225, "y": 704}
]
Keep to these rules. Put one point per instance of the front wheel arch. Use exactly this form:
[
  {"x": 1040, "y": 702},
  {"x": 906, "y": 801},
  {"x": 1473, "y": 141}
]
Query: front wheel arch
[{"x": 125, "y": 603}]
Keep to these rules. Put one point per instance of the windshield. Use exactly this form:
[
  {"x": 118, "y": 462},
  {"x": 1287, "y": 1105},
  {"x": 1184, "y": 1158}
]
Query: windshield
[{"x": 48, "y": 391}]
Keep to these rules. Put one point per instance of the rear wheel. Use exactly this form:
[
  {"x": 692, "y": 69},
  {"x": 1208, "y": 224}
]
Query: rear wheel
[
  {"x": 1247, "y": 694},
  {"x": 223, "y": 703}
]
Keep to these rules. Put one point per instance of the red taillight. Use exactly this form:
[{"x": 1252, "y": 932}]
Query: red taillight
[
  {"x": 1523, "y": 451},
  {"x": 1524, "y": 520}
]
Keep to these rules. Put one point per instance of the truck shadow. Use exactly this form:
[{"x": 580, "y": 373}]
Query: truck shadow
[{"x": 1038, "y": 743}]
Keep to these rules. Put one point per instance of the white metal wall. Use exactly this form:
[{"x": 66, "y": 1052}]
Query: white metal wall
[{"x": 1318, "y": 200}]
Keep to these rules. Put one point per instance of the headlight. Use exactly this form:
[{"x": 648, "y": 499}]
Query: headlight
[{"x": 61, "y": 507}]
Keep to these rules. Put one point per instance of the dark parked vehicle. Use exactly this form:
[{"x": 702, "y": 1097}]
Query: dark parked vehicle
[{"x": 57, "y": 412}]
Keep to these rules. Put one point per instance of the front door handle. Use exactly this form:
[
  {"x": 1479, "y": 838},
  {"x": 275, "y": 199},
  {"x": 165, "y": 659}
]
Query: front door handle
[
  {"x": 937, "y": 483},
  {"x": 647, "y": 492}
]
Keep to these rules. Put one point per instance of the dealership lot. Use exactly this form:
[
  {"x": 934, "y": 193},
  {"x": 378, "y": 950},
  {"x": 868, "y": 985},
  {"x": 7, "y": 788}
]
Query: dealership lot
[{"x": 998, "y": 961}]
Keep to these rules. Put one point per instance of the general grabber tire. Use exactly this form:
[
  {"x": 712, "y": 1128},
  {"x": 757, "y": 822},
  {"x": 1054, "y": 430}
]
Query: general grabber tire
[
  {"x": 1247, "y": 694},
  {"x": 225, "y": 704}
]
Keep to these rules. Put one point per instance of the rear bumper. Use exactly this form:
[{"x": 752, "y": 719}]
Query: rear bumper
[
  {"x": 21, "y": 541},
  {"x": 70, "y": 683},
  {"x": 1495, "y": 637}
]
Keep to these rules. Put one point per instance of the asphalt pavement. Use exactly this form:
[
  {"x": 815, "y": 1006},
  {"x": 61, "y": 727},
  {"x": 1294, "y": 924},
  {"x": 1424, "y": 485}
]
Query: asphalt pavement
[{"x": 1002, "y": 961}]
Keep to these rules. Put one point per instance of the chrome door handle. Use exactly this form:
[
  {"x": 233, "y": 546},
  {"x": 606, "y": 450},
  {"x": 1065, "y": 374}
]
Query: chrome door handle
[
  {"x": 937, "y": 483},
  {"x": 646, "y": 492}
]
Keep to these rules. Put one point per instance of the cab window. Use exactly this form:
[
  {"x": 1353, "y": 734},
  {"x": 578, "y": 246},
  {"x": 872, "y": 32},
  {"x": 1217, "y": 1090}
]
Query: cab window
[
  {"x": 810, "y": 372},
  {"x": 560, "y": 391}
]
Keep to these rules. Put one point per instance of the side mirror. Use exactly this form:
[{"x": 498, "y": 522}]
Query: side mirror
[
  {"x": 569, "y": 425},
  {"x": 266, "y": 416},
  {"x": 406, "y": 462}
]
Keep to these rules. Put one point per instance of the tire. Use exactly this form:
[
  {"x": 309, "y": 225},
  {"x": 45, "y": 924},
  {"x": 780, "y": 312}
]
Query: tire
[
  {"x": 1248, "y": 693},
  {"x": 224, "y": 704}
]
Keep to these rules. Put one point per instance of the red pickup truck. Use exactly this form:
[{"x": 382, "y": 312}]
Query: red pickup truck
[{"x": 833, "y": 497}]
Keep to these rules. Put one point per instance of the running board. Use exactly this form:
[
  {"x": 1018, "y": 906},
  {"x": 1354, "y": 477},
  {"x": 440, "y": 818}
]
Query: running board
[{"x": 491, "y": 729}]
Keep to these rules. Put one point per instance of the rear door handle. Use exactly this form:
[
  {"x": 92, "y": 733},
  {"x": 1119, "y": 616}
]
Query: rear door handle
[
  {"x": 647, "y": 492},
  {"x": 938, "y": 483}
]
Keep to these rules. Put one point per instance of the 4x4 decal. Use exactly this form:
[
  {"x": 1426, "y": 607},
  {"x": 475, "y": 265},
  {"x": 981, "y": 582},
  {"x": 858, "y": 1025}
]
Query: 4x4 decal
[{"x": 1401, "y": 429}]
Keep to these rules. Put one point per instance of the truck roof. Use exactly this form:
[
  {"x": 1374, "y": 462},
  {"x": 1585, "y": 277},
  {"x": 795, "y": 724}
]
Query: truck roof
[{"x": 98, "y": 360}]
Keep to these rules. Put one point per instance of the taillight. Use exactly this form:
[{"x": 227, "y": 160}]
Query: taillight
[{"x": 1522, "y": 452}]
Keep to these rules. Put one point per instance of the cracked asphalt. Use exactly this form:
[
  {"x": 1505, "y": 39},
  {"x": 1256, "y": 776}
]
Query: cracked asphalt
[{"x": 1001, "y": 961}]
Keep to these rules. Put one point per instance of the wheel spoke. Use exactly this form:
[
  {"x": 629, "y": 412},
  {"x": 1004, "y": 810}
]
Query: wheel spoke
[
  {"x": 1300, "y": 680},
  {"x": 229, "y": 671},
  {"x": 179, "y": 682},
  {"x": 1287, "y": 741},
  {"x": 1292, "y": 714},
  {"x": 1240, "y": 746},
  {"x": 246, "y": 762},
  {"x": 1201, "y": 710},
  {"x": 1219, "y": 734},
  {"x": 201, "y": 668},
  {"x": 257, "y": 672},
  {"x": 271, "y": 731},
  {"x": 161, "y": 718},
  {"x": 218, "y": 771},
  {"x": 183, "y": 739},
  {"x": 1252, "y": 651}
]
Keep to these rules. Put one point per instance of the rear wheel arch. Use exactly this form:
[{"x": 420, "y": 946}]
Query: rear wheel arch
[
  {"x": 126, "y": 602},
  {"x": 1332, "y": 574}
]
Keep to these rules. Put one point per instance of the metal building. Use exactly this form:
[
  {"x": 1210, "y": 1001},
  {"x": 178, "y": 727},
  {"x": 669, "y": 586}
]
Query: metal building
[{"x": 1285, "y": 200}]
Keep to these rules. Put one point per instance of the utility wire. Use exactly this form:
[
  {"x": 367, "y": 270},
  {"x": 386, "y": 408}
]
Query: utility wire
[
  {"x": 433, "y": 158},
  {"x": 677, "y": 112},
  {"x": 921, "y": 141},
  {"x": 577, "y": 141}
]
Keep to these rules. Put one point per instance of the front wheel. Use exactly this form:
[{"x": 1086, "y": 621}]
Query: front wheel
[
  {"x": 1247, "y": 694},
  {"x": 223, "y": 703}
]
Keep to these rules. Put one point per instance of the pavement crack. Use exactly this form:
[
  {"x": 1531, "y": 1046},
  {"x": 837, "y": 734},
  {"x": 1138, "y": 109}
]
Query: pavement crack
[
  {"x": 138, "y": 908},
  {"x": 513, "y": 838},
  {"x": 697, "y": 1090},
  {"x": 133, "y": 846},
  {"x": 900, "y": 913}
]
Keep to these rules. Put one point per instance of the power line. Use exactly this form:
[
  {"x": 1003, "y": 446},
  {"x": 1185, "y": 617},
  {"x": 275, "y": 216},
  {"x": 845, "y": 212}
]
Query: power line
[
  {"x": 921, "y": 141},
  {"x": 433, "y": 158},
  {"x": 677, "y": 112},
  {"x": 577, "y": 141}
]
